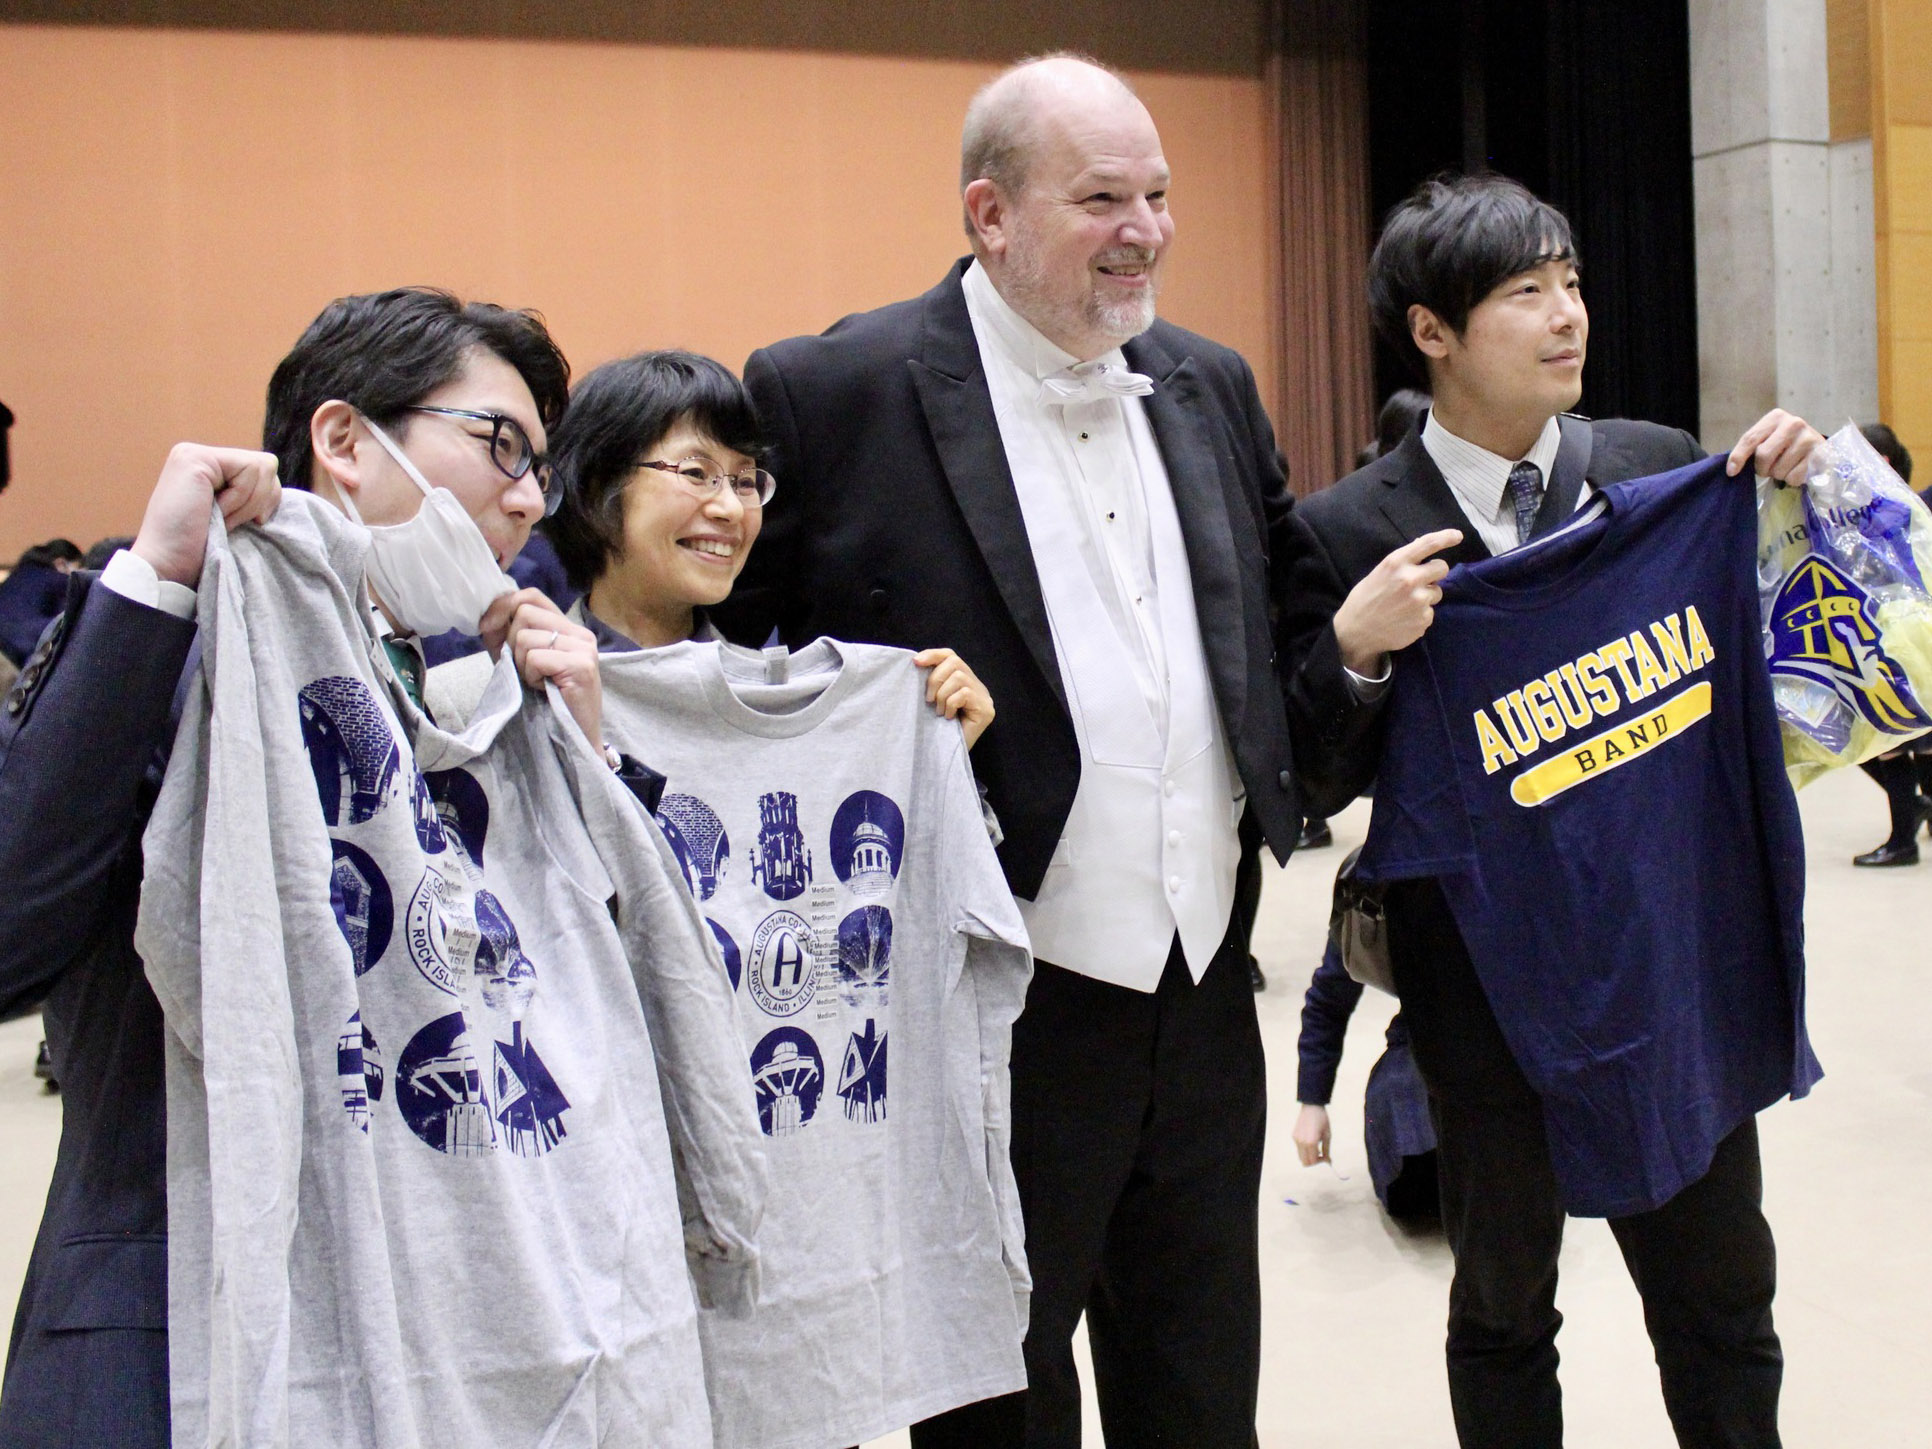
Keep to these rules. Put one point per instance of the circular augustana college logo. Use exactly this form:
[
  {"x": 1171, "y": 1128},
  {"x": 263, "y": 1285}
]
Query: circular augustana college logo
[
  {"x": 442, "y": 932},
  {"x": 783, "y": 972}
]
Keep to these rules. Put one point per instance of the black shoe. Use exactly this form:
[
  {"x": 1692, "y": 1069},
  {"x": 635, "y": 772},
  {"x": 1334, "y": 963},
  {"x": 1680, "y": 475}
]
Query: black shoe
[
  {"x": 1314, "y": 835},
  {"x": 1255, "y": 978},
  {"x": 44, "y": 1067},
  {"x": 1890, "y": 854}
]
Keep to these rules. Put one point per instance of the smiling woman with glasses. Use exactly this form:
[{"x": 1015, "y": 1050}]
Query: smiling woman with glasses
[{"x": 657, "y": 498}]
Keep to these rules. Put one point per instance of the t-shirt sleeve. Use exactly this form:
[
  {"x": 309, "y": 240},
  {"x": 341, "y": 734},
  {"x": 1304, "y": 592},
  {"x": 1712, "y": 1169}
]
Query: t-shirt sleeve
[{"x": 1000, "y": 962}]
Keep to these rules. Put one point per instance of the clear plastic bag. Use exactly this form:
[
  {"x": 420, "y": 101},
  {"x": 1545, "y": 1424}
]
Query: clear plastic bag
[{"x": 1845, "y": 601}]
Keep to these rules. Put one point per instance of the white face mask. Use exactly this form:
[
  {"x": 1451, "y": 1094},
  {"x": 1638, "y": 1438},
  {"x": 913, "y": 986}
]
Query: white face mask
[{"x": 435, "y": 572}]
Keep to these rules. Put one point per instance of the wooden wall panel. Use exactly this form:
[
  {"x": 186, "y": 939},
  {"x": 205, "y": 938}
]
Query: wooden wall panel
[
  {"x": 180, "y": 203},
  {"x": 1902, "y": 214},
  {"x": 1848, "y": 30}
]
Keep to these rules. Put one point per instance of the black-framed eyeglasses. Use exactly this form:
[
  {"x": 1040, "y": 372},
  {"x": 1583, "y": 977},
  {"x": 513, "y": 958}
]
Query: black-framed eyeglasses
[
  {"x": 510, "y": 449},
  {"x": 754, "y": 489}
]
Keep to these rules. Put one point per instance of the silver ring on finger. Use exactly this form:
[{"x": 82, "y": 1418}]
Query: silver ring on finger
[{"x": 553, "y": 638}]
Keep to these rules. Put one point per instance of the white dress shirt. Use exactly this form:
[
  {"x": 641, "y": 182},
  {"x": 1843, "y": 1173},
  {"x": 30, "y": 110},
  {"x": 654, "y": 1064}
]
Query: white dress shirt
[
  {"x": 1149, "y": 848},
  {"x": 134, "y": 578},
  {"x": 1480, "y": 478}
]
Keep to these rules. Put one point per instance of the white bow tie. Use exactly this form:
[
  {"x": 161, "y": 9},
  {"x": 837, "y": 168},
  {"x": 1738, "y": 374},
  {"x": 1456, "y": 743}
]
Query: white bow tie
[{"x": 1094, "y": 382}]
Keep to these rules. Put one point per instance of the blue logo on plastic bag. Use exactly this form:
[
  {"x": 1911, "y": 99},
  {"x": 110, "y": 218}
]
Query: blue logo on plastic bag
[{"x": 1823, "y": 628}]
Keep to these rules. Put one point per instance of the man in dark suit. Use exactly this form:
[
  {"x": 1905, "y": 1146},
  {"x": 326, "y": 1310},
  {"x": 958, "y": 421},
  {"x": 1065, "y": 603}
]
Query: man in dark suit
[
  {"x": 84, "y": 737},
  {"x": 1476, "y": 281},
  {"x": 1088, "y": 505}
]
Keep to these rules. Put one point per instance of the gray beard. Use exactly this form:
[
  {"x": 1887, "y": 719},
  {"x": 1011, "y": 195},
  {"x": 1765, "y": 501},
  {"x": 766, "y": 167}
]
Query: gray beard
[{"x": 1114, "y": 324}]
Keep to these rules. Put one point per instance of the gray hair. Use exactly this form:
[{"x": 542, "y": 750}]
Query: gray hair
[{"x": 997, "y": 141}]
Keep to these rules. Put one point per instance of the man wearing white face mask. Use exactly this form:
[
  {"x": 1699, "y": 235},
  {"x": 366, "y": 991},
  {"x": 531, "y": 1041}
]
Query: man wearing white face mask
[{"x": 425, "y": 418}]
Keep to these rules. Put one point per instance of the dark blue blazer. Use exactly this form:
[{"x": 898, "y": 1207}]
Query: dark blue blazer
[{"x": 83, "y": 739}]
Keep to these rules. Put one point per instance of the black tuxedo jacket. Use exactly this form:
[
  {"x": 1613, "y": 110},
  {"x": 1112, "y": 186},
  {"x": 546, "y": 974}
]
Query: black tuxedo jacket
[
  {"x": 1403, "y": 495},
  {"x": 896, "y": 522}
]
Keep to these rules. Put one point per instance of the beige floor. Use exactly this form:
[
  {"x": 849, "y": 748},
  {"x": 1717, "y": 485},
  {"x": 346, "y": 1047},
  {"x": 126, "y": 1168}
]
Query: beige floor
[{"x": 1354, "y": 1305}]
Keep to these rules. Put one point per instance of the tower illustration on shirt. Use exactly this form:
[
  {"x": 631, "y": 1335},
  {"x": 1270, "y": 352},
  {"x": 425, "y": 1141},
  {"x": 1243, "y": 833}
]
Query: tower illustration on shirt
[
  {"x": 868, "y": 839},
  {"x": 441, "y": 1092},
  {"x": 358, "y": 1066},
  {"x": 525, "y": 1099},
  {"x": 780, "y": 863},
  {"x": 788, "y": 1077},
  {"x": 351, "y": 751}
]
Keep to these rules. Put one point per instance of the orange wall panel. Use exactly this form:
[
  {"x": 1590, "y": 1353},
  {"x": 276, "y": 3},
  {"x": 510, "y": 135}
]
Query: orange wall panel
[{"x": 180, "y": 203}]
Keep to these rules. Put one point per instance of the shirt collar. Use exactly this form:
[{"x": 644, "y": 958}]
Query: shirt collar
[
  {"x": 1018, "y": 340},
  {"x": 1479, "y": 477}
]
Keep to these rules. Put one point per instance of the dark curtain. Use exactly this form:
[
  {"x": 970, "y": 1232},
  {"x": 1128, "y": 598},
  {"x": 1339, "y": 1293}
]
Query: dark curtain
[{"x": 1586, "y": 102}]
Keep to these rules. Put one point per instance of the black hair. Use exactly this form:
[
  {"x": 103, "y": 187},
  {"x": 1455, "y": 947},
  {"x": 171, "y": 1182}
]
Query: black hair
[
  {"x": 1451, "y": 243},
  {"x": 1890, "y": 449},
  {"x": 102, "y": 550},
  {"x": 53, "y": 551},
  {"x": 618, "y": 413},
  {"x": 383, "y": 352},
  {"x": 1400, "y": 416}
]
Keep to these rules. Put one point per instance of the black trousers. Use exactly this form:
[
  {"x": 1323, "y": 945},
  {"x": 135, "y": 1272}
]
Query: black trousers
[
  {"x": 1704, "y": 1262},
  {"x": 1906, "y": 781},
  {"x": 1137, "y": 1132}
]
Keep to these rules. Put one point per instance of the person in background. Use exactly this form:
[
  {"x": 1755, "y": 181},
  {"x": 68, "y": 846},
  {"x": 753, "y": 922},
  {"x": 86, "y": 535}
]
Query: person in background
[
  {"x": 31, "y": 595},
  {"x": 1905, "y": 774},
  {"x": 1402, "y": 413},
  {"x": 102, "y": 550},
  {"x": 1400, "y": 1138}
]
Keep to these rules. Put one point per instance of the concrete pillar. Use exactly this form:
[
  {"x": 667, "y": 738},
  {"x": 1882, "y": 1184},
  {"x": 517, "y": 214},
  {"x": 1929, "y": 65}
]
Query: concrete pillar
[{"x": 1785, "y": 306}]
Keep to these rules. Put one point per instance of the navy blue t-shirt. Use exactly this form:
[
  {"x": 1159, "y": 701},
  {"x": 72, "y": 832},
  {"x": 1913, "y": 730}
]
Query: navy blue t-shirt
[{"x": 1583, "y": 748}]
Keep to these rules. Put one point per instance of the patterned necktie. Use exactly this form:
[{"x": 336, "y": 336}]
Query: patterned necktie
[
  {"x": 1526, "y": 496},
  {"x": 409, "y": 669},
  {"x": 1093, "y": 382}
]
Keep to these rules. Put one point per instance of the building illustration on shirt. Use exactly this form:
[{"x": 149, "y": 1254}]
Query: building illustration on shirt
[
  {"x": 862, "y": 1075},
  {"x": 780, "y": 863},
  {"x": 364, "y": 908},
  {"x": 697, "y": 837},
  {"x": 788, "y": 1075},
  {"x": 351, "y": 751}
]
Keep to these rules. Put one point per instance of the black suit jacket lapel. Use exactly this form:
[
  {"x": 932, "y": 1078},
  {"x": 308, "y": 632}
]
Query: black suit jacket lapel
[
  {"x": 1418, "y": 501},
  {"x": 1567, "y": 475},
  {"x": 1201, "y": 502},
  {"x": 951, "y": 385}
]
